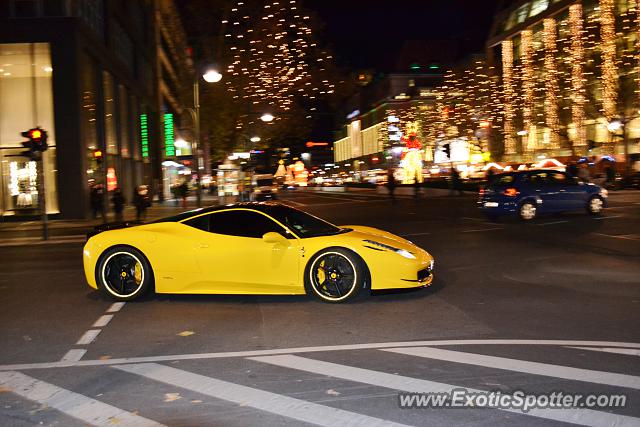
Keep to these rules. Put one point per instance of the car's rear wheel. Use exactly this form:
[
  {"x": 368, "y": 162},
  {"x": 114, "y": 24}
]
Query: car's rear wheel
[
  {"x": 527, "y": 211},
  {"x": 123, "y": 273},
  {"x": 595, "y": 206},
  {"x": 335, "y": 275}
]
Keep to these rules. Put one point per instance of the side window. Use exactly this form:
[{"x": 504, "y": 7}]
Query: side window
[
  {"x": 559, "y": 178},
  {"x": 201, "y": 222},
  {"x": 540, "y": 178},
  {"x": 243, "y": 223}
]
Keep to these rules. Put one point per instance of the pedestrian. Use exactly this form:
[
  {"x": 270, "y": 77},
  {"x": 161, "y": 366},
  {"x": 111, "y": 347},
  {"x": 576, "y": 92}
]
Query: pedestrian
[
  {"x": 416, "y": 186},
  {"x": 489, "y": 175},
  {"x": 183, "y": 190},
  {"x": 96, "y": 198},
  {"x": 572, "y": 169},
  {"x": 118, "y": 201},
  {"x": 141, "y": 201},
  {"x": 610, "y": 174},
  {"x": 455, "y": 182},
  {"x": 391, "y": 186}
]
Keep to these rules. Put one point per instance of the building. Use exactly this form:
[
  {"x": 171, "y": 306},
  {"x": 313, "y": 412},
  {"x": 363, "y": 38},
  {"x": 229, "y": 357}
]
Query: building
[
  {"x": 90, "y": 73},
  {"x": 382, "y": 117},
  {"x": 569, "y": 78}
]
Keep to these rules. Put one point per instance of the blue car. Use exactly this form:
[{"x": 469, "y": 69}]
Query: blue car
[{"x": 534, "y": 192}]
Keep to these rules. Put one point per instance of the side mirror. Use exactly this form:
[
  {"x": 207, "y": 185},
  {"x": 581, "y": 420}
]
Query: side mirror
[{"x": 273, "y": 237}]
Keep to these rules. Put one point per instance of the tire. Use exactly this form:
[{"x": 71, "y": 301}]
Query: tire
[
  {"x": 527, "y": 211},
  {"x": 595, "y": 205},
  {"x": 335, "y": 275},
  {"x": 123, "y": 273}
]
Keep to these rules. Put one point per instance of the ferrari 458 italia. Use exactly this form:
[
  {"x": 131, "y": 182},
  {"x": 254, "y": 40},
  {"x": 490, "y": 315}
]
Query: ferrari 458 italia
[{"x": 252, "y": 248}]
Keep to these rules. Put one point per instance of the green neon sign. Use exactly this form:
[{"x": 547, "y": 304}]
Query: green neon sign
[
  {"x": 144, "y": 135},
  {"x": 169, "y": 147}
]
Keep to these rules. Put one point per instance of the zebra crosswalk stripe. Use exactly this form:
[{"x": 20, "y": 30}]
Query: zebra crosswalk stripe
[
  {"x": 557, "y": 371},
  {"x": 76, "y": 405},
  {"x": 259, "y": 399},
  {"x": 585, "y": 417}
]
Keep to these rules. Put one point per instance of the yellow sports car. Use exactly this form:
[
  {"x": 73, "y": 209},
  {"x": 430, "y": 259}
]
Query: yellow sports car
[{"x": 252, "y": 248}]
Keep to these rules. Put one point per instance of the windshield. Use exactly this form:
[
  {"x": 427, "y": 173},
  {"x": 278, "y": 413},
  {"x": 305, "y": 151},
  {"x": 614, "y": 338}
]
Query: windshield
[
  {"x": 264, "y": 182},
  {"x": 304, "y": 224}
]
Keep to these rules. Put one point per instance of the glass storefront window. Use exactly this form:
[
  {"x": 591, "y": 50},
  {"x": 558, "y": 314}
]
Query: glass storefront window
[
  {"x": 26, "y": 101},
  {"x": 109, "y": 113},
  {"x": 125, "y": 132}
]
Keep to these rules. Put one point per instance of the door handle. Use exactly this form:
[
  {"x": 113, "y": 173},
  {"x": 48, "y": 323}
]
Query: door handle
[{"x": 203, "y": 246}]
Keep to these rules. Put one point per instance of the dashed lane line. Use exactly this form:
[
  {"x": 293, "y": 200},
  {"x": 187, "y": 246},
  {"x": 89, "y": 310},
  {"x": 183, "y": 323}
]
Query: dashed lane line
[
  {"x": 115, "y": 307},
  {"x": 479, "y": 230},
  {"x": 88, "y": 337},
  {"x": 73, "y": 355},
  {"x": 278, "y": 404},
  {"x": 78, "y": 406},
  {"x": 102, "y": 321}
]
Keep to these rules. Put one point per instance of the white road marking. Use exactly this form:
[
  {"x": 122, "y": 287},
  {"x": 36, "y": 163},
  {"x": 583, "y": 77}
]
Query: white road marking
[
  {"x": 586, "y": 417},
  {"x": 83, "y": 408},
  {"x": 627, "y": 351},
  {"x": 344, "y": 347},
  {"x": 608, "y": 217},
  {"x": 413, "y": 234},
  {"x": 624, "y": 237},
  {"x": 557, "y": 371},
  {"x": 102, "y": 321},
  {"x": 294, "y": 202},
  {"x": 116, "y": 306},
  {"x": 73, "y": 355},
  {"x": 259, "y": 399},
  {"x": 88, "y": 337},
  {"x": 482, "y": 229},
  {"x": 551, "y": 223}
]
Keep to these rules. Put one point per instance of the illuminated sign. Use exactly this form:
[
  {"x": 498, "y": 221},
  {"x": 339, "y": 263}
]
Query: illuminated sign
[
  {"x": 144, "y": 135},
  {"x": 169, "y": 147},
  {"x": 316, "y": 144}
]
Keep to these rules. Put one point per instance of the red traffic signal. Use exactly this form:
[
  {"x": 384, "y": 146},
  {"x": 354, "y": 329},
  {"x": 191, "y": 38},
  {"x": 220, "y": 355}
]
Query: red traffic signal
[{"x": 37, "y": 139}]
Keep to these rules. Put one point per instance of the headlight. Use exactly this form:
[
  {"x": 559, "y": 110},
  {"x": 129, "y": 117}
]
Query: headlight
[
  {"x": 604, "y": 192},
  {"x": 401, "y": 252}
]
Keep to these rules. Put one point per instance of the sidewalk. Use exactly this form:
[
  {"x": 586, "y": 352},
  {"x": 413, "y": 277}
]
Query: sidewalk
[{"x": 156, "y": 211}]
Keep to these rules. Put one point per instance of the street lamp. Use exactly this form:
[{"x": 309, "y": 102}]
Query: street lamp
[
  {"x": 255, "y": 139},
  {"x": 210, "y": 76},
  {"x": 266, "y": 117}
]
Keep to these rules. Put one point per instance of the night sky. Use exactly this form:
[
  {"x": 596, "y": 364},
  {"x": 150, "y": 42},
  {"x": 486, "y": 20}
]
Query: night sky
[{"x": 369, "y": 33}]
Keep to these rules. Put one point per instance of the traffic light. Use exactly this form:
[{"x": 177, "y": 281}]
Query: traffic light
[
  {"x": 98, "y": 155},
  {"x": 37, "y": 142},
  {"x": 447, "y": 150}
]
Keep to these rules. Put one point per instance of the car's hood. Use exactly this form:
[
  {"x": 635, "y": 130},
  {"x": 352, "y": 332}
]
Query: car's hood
[{"x": 370, "y": 233}]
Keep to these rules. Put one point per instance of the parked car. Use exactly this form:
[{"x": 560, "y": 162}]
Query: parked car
[
  {"x": 534, "y": 192},
  {"x": 264, "y": 187}
]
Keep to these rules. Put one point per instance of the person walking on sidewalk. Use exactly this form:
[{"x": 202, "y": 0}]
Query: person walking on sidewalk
[
  {"x": 455, "y": 182},
  {"x": 96, "y": 199},
  {"x": 391, "y": 186},
  {"x": 141, "y": 201},
  {"x": 118, "y": 201},
  {"x": 183, "y": 190}
]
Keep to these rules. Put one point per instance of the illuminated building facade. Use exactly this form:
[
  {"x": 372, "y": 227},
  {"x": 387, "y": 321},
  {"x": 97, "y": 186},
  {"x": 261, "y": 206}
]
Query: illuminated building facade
[
  {"x": 87, "y": 72},
  {"x": 568, "y": 72}
]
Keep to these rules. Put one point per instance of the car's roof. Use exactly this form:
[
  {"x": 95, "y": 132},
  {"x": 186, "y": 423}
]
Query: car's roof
[{"x": 265, "y": 207}]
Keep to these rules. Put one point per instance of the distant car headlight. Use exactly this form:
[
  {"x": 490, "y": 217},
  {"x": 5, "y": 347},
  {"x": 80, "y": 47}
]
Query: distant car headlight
[
  {"x": 432, "y": 263},
  {"x": 604, "y": 192},
  {"x": 401, "y": 252}
]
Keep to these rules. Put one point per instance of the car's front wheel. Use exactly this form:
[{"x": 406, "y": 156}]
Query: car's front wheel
[
  {"x": 335, "y": 275},
  {"x": 527, "y": 211},
  {"x": 595, "y": 206},
  {"x": 123, "y": 273}
]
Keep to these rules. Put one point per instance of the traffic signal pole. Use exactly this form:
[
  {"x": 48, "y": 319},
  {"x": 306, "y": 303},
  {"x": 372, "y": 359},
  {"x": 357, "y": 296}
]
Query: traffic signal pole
[{"x": 43, "y": 200}]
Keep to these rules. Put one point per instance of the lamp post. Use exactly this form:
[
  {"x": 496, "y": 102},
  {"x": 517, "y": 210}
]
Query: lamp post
[{"x": 210, "y": 76}]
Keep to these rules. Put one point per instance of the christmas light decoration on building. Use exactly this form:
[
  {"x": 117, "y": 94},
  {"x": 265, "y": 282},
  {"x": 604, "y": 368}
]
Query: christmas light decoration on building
[
  {"x": 508, "y": 91},
  {"x": 577, "y": 76},
  {"x": 551, "y": 81},
  {"x": 609, "y": 69},
  {"x": 528, "y": 87}
]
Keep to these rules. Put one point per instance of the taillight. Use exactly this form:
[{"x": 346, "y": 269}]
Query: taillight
[
  {"x": 511, "y": 192},
  {"x": 481, "y": 192}
]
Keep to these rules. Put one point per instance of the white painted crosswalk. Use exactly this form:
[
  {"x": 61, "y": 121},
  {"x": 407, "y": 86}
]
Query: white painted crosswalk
[{"x": 91, "y": 411}]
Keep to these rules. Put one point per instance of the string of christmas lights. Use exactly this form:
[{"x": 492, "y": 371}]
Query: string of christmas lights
[
  {"x": 551, "y": 81},
  {"x": 577, "y": 77},
  {"x": 509, "y": 93},
  {"x": 609, "y": 69}
]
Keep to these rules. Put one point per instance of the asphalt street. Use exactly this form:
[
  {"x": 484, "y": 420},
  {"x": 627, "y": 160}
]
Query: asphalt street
[{"x": 551, "y": 305}]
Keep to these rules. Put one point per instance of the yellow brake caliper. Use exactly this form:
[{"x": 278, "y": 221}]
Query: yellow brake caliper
[
  {"x": 321, "y": 276},
  {"x": 137, "y": 273}
]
